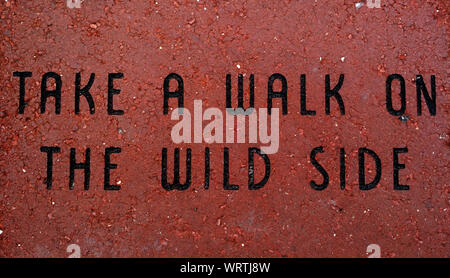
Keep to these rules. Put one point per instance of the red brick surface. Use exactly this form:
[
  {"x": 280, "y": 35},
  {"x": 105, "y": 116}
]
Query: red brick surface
[{"x": 203, "y": 41}]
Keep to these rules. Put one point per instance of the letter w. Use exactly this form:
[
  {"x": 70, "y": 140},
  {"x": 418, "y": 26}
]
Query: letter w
[{"x": 176, "y": 171}]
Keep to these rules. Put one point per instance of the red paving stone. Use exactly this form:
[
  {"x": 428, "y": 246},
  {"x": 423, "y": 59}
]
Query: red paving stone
[{"x": 203, "y": 41}]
